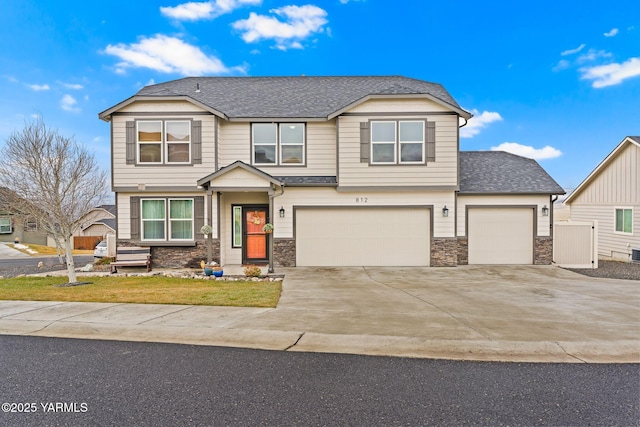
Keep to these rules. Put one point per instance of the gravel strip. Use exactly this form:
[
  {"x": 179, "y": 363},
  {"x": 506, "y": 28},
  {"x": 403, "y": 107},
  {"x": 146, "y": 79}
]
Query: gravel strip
[{"x": 612, "y": 270}]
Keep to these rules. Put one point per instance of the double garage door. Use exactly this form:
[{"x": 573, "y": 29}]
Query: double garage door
[
  {"x": 363, "y": 236},
  {"x": 500, "y": 235}
]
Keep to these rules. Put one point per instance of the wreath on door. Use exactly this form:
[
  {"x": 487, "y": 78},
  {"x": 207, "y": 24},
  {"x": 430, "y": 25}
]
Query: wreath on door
[{"x": 255, "y": 218}]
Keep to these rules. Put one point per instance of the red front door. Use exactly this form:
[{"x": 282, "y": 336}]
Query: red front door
[{"x": 255, "y": 240}]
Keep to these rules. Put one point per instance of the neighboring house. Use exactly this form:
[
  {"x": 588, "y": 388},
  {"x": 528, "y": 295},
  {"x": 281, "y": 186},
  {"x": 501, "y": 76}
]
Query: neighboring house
[
  {"x": 16, "y": 226},
  {"x": 611, "y": 196},
  {"x": 100, "y": 221},
  {"x": 351, "y": 171}
]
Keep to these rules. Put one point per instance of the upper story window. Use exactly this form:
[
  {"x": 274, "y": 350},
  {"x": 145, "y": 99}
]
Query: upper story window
[
  {"x": 164, "y": 141},
  {"x": 397, "y": 142},
  {"x": 278, "y": 143},
  {"x": 624, "y": 220}
]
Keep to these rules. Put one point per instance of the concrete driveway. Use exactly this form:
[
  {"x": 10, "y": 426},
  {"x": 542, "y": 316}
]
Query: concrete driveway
[
  {"x": 506, "y": 313},
  {"x": 460, "y": 312},
  {"x": 7, "y": 252}
]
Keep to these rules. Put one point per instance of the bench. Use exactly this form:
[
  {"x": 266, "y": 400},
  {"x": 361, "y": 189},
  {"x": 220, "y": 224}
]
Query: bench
[{"x": 133, "y": 256}]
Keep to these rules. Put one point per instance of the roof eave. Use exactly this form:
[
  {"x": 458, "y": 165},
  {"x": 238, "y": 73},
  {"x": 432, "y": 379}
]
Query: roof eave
[
  {"x": 603, "y": 164},
  {"x": 106, "y": 114},
  {"x": 366, "y": 98},
  {"x": 510, "y": 193}
]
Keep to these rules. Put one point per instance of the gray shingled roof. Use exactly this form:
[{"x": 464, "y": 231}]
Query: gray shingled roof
[
  {"x": 307, "y": 180},
  {"x": 291, "y": 97},
  {"x": 501, "y": 172},
  {"x": 109, "y": 222},
  {"x": 635, "y": 138}
]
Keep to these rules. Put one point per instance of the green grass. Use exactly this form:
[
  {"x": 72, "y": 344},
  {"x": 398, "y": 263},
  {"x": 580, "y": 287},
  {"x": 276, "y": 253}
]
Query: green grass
[{"x": 143, "y": 290}]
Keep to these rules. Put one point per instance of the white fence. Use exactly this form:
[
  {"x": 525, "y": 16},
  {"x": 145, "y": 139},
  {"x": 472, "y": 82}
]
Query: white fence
[{"x": 575, "y": 244}]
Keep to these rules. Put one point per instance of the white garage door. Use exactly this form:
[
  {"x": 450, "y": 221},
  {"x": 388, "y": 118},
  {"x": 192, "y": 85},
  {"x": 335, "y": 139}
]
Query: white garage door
[
  {"x": 500, "y": 235},
  {"x": 362, "y": 237}
]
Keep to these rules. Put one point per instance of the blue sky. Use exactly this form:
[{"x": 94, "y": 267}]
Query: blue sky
[{"x": 557, "y": 81}]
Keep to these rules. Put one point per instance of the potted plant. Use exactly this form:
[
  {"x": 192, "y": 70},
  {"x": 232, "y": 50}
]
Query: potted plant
[
  {"x": 268, "y": 228},
  {"x": 212, "y": 269},
  {"x": 206, "y": 229}
]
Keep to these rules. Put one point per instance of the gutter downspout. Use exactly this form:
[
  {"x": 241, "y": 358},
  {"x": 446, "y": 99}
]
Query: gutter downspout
[{"x": 271, "y": 197}]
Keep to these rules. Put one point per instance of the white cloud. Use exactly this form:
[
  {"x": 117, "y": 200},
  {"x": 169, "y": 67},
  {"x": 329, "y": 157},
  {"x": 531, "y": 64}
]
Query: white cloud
[
  {"x": 611, "y": 74},
  {"x": 546, "y": 152},
  {"x": 193, "y": 11},
  {"x": 593, "y": 54},
  {"x": 68, "y": 103},
  {"x": 299, "y": 23},
  {"x": 167, "y": 55},
  {"x": 72, "y": 86},
  {"x": 572, "y": 51},
  {"x": 478, "y": 122},
  {"x": 38, "y": 88},
  {"x": 611, "y": 33},
  {"x": 563, "y": 64}
]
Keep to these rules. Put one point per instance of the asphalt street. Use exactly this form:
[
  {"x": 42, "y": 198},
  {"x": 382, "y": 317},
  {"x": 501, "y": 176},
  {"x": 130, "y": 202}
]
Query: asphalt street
[{"x": 53, "y": 381}]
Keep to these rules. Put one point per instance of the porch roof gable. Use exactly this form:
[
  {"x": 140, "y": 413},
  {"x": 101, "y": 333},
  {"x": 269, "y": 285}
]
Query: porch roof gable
[{"x": 238, "y": 165}]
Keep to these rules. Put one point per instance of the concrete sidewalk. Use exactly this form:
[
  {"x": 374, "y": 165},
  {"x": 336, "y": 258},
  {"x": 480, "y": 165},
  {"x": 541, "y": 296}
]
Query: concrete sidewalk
[{"x": 507, "y": 313}]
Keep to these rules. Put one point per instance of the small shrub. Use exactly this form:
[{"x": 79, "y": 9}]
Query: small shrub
[
  {"x": 103, "y": 261},
  {"x": 252, "y": 271}
]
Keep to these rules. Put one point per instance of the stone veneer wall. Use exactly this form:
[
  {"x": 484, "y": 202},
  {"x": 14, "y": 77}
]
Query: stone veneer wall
[
  {"x": 178, "y": 256},
  {"x": 444, "y": 252},
  {"x": 463, "y": 250},
  {"x": 284, "y": 252},
  {"x": 543, "y": 251}
]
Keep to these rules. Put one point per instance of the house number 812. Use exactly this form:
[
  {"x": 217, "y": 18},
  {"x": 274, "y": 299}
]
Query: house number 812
[{"x": 362, "y": 199}]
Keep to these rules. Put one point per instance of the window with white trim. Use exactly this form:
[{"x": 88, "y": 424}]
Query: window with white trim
[
  {"x": 236, "y": 226},
  {"x": 5, "y": 226},
  {"x": 164, "y": 141},
  {"x": 153, "y": 218},
  {"x": 278, "y": 143},
  {"x": 162, "y": 217},
  {"x": 397, "y": 142},
  {"x": 624, "y": 220}
]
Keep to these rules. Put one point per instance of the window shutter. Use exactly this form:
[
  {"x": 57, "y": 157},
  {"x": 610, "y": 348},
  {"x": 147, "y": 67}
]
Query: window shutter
[
  {"x": 131, "y": 143},
  {"x": 198, "y": 207},
  {"x": 134, "y": 214},
  {"x": 364, "y": 142},
  {"x": 196, "y": 141},
  {"x": 431, "y": 141}
]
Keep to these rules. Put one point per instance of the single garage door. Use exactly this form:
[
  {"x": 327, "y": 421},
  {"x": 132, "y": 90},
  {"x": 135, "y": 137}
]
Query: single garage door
[
  {"x": 500, "y": 235},
  {"x": 362, "y": 236}
]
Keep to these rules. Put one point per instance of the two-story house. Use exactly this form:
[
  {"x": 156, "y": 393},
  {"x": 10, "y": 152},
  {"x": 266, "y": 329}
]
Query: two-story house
[{"x": 351, "y": 171}]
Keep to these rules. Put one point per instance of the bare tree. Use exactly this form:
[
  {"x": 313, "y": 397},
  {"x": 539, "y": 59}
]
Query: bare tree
[{"x": 55, "y": 180}]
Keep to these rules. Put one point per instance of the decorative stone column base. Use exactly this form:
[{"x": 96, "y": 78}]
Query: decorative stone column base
[
  {"x": 444, "y": 252},
  {"x": 543, "y": 251},
  {"x": 284, "y": 252},
  {"x": 463, "y": 251}
]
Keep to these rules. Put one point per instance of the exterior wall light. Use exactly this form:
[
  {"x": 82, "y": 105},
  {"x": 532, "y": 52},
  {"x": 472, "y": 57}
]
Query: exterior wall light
[
  {"x": 545, "y": 211},
  {"x": 445, "y": 211},
  {"x": 281, "y": 211}
]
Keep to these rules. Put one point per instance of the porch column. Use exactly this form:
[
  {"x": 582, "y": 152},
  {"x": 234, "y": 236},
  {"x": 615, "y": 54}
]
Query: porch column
[
  {"x": 209, "y": 221},
  {"x": 270, "y": 236}
]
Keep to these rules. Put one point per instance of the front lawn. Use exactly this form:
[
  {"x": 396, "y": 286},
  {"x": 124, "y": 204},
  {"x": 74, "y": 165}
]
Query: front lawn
[{"x": 145, "y": 290}]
